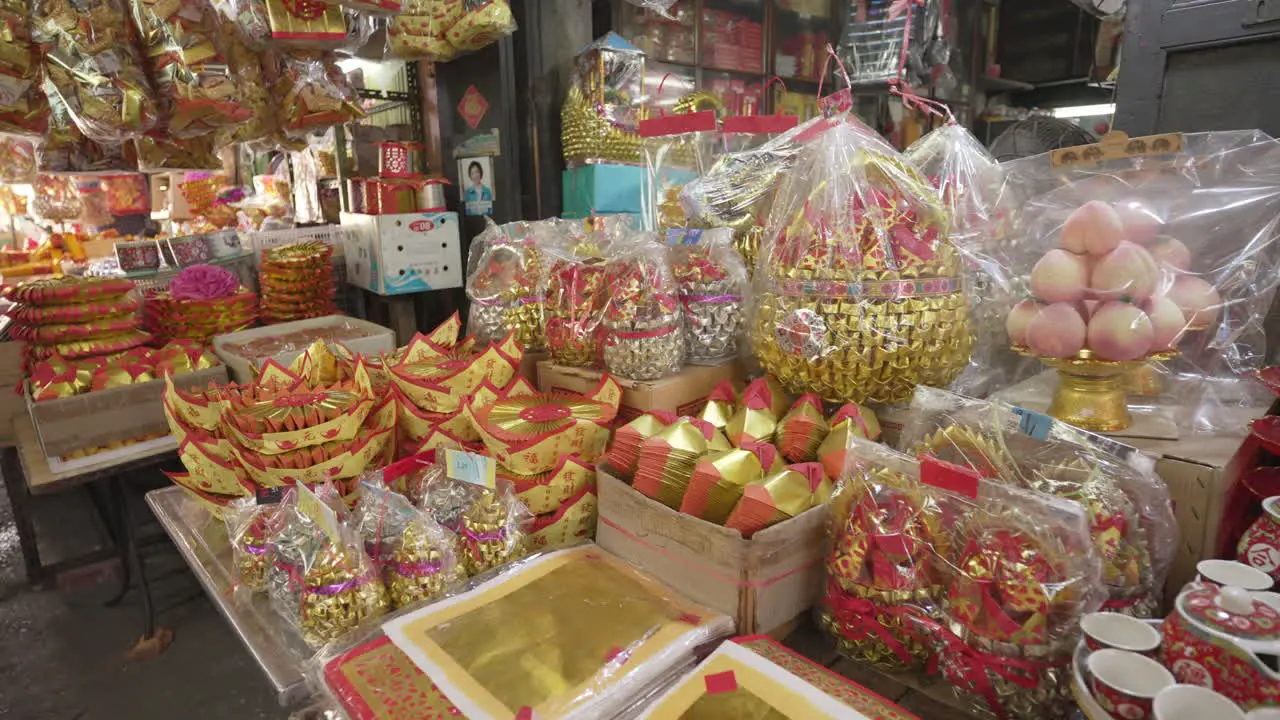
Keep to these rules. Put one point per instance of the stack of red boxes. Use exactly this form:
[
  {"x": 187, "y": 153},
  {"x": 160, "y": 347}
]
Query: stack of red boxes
[{"x": 732, "y": 42}]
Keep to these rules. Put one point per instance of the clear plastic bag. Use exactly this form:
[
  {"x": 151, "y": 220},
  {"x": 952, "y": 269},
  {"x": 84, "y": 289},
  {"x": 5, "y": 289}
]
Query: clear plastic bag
[
  {"x": 505, "y": 271},
  {"x": 858, "y": 293},
  {"x": 93, "y": 68},
  {"x": 250, "y": 528},
  {"x": 195, "y": 84},
  {"x": 412, "y": 553},
  {"x": 643, "y": 334},
  {"x": 66, "y": 149},
  {"x": 491, "y": 524},
  {"x": 24, "y": 110},
  {"x": 712, "y": 281},
  {"x": 314, "y": 93},
  {"x": 1128, "y": 506},
  {"x": 17, "y": 159},
  {"x": 602, "y": 110},
  {"x": 253, "y": 88},
  {"x": 971, "y": 184},
  {"x": 677, "y": 148},
  {"x": 1169, "y": 242},
  {"x": 576, "y": 296},
  {"x": 661, "y": 6},
  {"x": 441, "y": 30},
  {"x": 735, "y": 192},
  {"x": 932, "y": 570}
]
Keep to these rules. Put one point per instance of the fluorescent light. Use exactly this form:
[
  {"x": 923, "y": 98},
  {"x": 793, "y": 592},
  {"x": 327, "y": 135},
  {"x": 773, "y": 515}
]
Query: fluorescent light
[{"x": 1084, "y": 110}]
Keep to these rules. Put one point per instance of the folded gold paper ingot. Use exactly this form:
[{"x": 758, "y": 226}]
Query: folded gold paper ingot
[
  {"x": 779, "y": 496},
  {"x": 851, "y": 420},
  {"x": 721, "y": 405},
  {"x": 587, "y": 135},
  {"x": 666, "y": 460},
  {"x": 754, "y": 419},
  {"x": 719, "y": 477},
  {"x": 801, "y": 431},
  {"x": 417, "y": 424},
  {"x": 340, "y": 591},
  {"x": 437, "y": 384},
  {"x": 625, "y": 447},
  {"x": 572, "y": 522},
  {"x": 528, "y": 434},
  {"x": 547, "y": 492},
  {"x": 340, "y": 429}
]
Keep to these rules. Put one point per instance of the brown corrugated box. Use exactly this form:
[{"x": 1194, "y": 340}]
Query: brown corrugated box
[
  {"x": 11, "y": 400},
  {"x": 763, "y": 583},
  {"x": 682, "y": 393},
  {"x": 112, "y": 415}
]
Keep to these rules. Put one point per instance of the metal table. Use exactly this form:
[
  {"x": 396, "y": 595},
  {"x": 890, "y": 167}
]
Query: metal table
[{"x": 202, "y": 541}]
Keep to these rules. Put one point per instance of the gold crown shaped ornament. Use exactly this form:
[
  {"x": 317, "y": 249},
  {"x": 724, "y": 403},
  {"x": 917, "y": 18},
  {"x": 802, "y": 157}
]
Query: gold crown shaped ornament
[
  {"x": 859, "y": 293},
  {"x": 528, "y": 433},
  {"x": 1115, "y": 524}
]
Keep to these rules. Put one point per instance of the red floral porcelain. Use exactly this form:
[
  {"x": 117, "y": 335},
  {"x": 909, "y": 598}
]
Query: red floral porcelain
[
  {"x": 1259, "y": 547},
  {"x": 1267, "y": 431},
  {"x": 1270, "y": 376},
  {"x": 1216, "y": 638}
]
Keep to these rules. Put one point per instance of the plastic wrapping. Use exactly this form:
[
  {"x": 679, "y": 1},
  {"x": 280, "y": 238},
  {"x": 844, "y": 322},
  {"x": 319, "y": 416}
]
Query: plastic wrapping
[
  {"x": 602, "y": 110},
  {"x": 1177, "y": 235},
  {"x": 94, "y": 69},
  {"x": 661, "y": 6},
  {"x": 491, "y": 524},
  {"x": 643, "y": 336},
  {"x": 575, "y": 296},
  {"x": 931, "y": 569},
  {"x": 971, "y": 185},
  {"x": 736, "y": 191},
  {"x": 250, "y": 528},
  {"x": 890, "y": 41},
  {"x": 254, "y": 92},
  {"x": 24, "y": 110},
  {"x": 1128, "y": 506},
  {"x": 321, "y": 580},
  {"x": 599, "y": 632},
  {"x": 505, "y": 274},
  {"x": 17, "y": 160},
  {"x": 858, "y": 293},
  {"x": 194, "y": 81},
  {"x": 412, "y": 553},
  {"x": 713, "y": 284},
  {"x": 313, "y": 93},
  {"x": 441, "y": 30},
  {"x": 677, "y": 148}
]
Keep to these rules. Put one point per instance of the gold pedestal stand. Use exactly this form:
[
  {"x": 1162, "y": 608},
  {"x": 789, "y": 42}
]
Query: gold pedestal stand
[{"x": 1092, "y": 394}]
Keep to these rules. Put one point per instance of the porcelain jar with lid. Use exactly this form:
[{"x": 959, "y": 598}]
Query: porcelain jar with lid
[
  {"x": 1259, "y": 547},
  {"x": 1224, "y": 639}
]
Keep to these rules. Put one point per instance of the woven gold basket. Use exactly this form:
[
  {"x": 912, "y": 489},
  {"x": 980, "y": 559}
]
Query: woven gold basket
[{"x": 874, "y": 348}]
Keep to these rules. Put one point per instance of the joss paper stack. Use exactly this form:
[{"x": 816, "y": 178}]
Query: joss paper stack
[
  {"x": 755, "y": 419},
  {"x": 780, "y": 496},
  {"x": 625, "y": 448},
  {"x": 296, "y": 281},
  {"x": 801, "y": 431},
  {"x": 74, "y": 317},
  {"x": 719, "y": 478},
  {"x": 851, "y": 420},
  {"x": 666, "y": 460}
]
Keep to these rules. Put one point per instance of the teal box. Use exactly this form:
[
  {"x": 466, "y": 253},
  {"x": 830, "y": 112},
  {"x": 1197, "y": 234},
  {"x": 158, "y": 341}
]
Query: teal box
[{"x": 602, "y": 190}]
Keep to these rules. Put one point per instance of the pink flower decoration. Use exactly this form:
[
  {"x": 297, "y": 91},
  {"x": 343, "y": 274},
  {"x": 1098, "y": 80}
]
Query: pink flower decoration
[{"x": 204, "y": 282}]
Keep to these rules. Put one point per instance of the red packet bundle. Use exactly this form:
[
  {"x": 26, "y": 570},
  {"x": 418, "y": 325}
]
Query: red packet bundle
[
  {"x": 718, "y": 479},
  {"x": 67, "y": 291},
  {"x": 53, "y": 334},
  {"x": 625, "y": 449},
  {"x": 721, "y": 405},
  {"x": 780, "y": 496},
  {"x": 851, "y": 420},
  {"x": 55, "y": 378},
  {"x": 755, "y": 419},
  {"x": 667, "y": 459},
  {"x": 121, "y": 372},
  {"x": 801, "y": 431}
]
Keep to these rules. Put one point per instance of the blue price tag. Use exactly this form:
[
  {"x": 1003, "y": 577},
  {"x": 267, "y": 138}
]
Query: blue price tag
[
  {"x": 1033, "y": 424},
  {"x": 682, "y": 236},
  {"x": 469, "y": 467}
]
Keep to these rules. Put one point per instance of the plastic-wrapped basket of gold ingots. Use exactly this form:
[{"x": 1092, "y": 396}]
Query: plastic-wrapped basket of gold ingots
[{"x": 860, "y": 295}]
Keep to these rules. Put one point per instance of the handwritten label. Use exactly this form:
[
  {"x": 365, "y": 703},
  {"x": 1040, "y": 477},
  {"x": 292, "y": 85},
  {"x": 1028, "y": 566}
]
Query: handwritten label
[
  {"x": 313, "y": 508},
  {"x": 469, "y": 467},
  {"x": 1032, "y": 423}
]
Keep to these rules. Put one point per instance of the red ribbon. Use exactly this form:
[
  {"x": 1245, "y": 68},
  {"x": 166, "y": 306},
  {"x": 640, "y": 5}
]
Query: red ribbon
[
  {"x": 860, "y": 614},
  {"x": 971, "y": 666}
]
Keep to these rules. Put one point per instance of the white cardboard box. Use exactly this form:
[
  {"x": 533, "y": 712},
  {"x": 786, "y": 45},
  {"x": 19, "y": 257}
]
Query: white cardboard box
[
  {"x": 378, "y": 339},
  {"x": 406, "y": 253}
]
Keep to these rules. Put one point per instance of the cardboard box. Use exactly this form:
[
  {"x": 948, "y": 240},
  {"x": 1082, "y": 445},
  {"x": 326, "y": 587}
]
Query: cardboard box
[
  {"x": 406, "y": 253},
  {"x": 682, "y": 393},
  {"x": 763, "y": 583},
  {"x": 112, "y": 415},
  {"x": 11, "y": 401},
  {"x": 529, "y": 364},
  {"x": 378, "y": 339}
]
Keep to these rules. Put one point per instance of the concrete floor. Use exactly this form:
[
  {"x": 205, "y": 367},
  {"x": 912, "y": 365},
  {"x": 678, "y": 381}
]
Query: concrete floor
[{"x": 62, "y": 654}]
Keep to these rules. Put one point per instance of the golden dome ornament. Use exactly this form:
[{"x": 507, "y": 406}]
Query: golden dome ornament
[
  {"x": 859, "y": 294},
  {"x": 602, "y": 108}
]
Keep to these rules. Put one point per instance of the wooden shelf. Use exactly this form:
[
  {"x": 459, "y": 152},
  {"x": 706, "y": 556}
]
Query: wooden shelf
[{"x": 999, "y": 84}]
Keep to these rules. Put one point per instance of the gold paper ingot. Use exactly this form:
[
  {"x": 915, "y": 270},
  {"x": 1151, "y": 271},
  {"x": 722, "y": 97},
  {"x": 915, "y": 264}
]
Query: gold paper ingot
[
  {"x": 325, "y": 23},
  {"x": 542, "y": 428},
  {"x": 417, "y": 424},
  {"x": 574, "y": 522},
  {"x": 586, "y": 135},
  {"x": 438, "y": 383},
  {"x": 732, "y": 471},
  {"x": 340, "y": 592},
  {"x": 350, "y": 460},
  {"x": 546, "y": 492},
  {"x": 340, "y": 429}
]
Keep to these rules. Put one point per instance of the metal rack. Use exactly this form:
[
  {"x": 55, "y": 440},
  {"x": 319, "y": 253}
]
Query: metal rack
[{"x": 403, "y": 106}]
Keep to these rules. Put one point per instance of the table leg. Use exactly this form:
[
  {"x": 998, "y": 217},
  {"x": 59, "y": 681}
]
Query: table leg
[
  {"x": 15, "y": 485},
  {"x": 130, "y": 556},
  {"x": 120, "y": 535}
]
